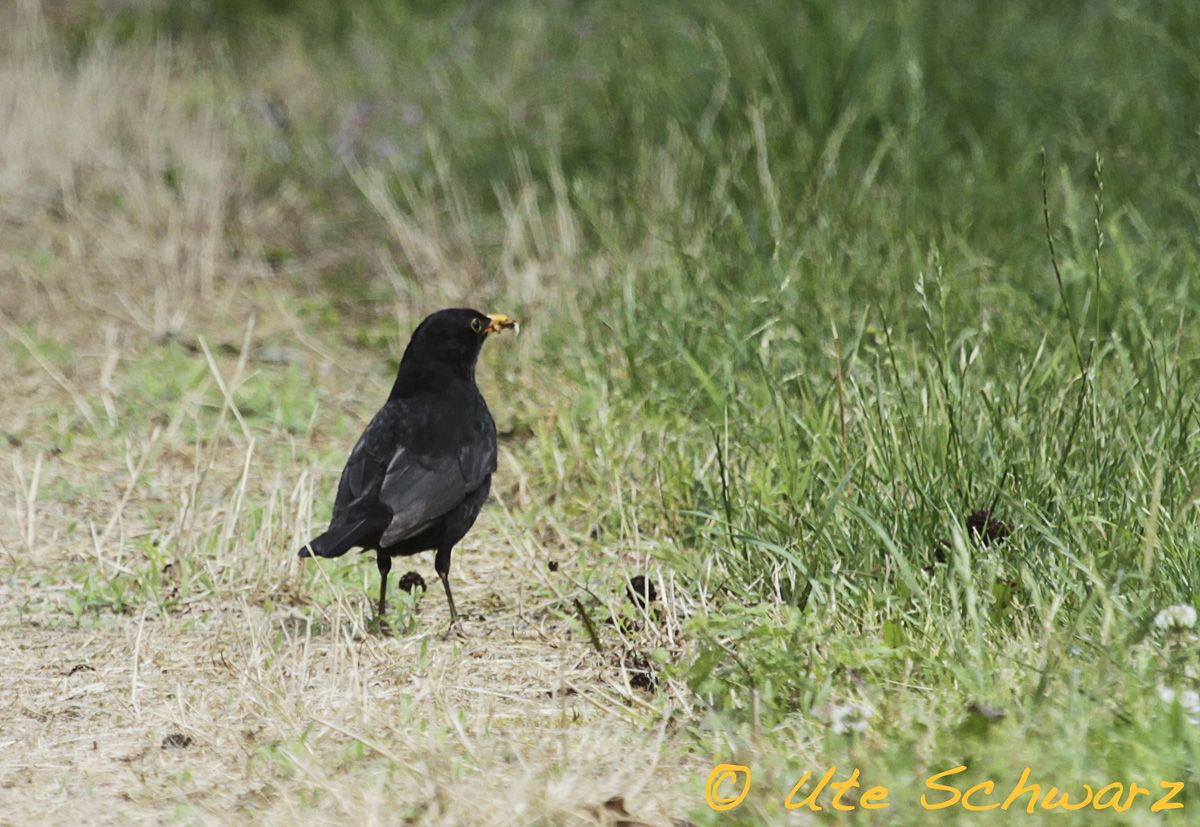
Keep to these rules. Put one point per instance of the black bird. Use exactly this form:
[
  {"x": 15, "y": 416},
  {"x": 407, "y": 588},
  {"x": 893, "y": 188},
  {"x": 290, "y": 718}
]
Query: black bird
[{"x": 420, "y": 472}]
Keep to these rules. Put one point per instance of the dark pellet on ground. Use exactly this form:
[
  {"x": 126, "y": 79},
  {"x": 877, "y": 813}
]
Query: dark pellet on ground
[
  {"x": 941, "y": 551},
  {"x": 176, "y": 740},
  {"x": 641, "y": 672},
  {"x": 552, "y": 565},
  {"x": 411, "y": 580},
  {"x": 643, "y": 680},
  {"x": 641, "y": 590},
  {"x": 983, "y": 528}
]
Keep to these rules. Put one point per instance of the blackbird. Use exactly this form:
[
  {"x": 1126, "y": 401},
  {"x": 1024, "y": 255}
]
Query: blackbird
[{"x": 421, "y": 470}]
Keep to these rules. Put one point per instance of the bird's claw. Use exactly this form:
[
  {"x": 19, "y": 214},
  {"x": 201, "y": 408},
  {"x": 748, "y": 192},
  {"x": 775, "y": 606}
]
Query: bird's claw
[{"x": 455, "y": 630}]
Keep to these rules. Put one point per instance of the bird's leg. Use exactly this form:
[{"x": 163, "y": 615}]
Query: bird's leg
[
  {"x": 442, "y": 564},
  {"x": 384, "y": 561}
]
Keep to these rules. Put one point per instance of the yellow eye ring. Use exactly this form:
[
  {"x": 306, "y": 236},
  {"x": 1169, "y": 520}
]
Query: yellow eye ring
[{"x": 477, "y": 325}]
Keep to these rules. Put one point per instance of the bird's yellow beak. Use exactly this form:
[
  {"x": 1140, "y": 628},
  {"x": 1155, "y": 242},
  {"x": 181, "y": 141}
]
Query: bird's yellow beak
[{"x": 498, "y": 322}]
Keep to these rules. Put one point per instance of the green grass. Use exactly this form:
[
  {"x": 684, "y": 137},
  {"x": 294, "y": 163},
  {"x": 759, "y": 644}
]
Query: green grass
[{"x": 806, "y": 314}]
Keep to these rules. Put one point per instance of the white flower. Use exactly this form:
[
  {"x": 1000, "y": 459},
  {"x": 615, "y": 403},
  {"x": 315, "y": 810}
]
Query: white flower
[
  {"x": 852, "y": 717},
  {"x": 1188, "y": 700},
  {"x": 1176, "y": 618}
]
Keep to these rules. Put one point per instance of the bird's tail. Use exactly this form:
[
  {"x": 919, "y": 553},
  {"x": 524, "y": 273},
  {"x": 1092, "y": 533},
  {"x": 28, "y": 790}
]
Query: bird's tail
[{"x": 338, "y": 539}]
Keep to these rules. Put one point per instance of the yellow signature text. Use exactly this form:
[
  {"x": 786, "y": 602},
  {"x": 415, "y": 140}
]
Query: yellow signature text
[{"x": 728, "y": 785}]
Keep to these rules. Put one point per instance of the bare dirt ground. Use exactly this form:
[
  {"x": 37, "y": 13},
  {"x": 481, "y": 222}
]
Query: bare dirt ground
[{"x": 245, "y": 717}]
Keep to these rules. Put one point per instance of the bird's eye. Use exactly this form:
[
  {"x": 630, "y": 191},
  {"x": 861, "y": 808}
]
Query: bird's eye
[{"x": 477, "y": 325}]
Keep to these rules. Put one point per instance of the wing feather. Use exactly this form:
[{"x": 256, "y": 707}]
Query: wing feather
[
  {"x": 419, "y": 488},
  {"x": 403, "y": 465}
]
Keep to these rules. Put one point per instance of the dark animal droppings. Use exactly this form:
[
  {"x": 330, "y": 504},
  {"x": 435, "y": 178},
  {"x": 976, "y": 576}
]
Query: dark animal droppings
[
  {"x": 941, "y": 551},
  {"x": 176, "y": 740},
  {"x": 641, "y": 672},
  {"x": 411, "y": 580},
  {"x": 983, "y": 528},
  {"x": 641, "y": 590}
]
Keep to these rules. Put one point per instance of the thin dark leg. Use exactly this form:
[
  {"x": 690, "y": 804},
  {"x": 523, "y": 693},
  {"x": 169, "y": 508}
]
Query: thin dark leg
[
  {"x": 442, "y": 564},
  {"x": 384, "y": 562}
]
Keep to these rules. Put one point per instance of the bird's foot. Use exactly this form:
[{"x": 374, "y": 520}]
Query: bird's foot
[
  {"x": 455, "y": 630},
  {"x": 379, "y": 625}
]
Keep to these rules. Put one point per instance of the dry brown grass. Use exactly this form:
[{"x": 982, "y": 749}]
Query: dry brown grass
[
  {"x": 259, "y": 717},
  {"x": 117, "y": 186},
  {"x": 230, "y": 684}
]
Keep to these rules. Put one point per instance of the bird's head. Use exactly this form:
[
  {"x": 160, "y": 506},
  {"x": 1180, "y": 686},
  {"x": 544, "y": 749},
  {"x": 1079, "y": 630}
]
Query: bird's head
[{"x": 447, "y": 343}]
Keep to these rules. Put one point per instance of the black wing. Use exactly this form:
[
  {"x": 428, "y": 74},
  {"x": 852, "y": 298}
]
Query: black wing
[
  {"x": 362, "y": 478},
  {"x": 421, "y": 487},
  {"x": 413, "y": 464},
  {"x": 358, "y": 516}
]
